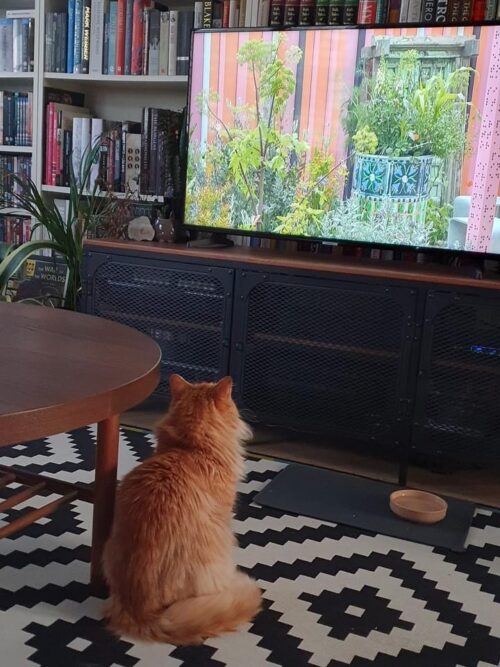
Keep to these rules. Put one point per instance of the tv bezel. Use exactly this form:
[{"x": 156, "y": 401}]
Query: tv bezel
[{"x": 450, "y": 252}]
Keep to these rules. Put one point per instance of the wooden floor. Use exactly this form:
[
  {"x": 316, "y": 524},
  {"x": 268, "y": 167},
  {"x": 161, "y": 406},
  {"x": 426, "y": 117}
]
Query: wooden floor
[{"x": 480, "y": 486}]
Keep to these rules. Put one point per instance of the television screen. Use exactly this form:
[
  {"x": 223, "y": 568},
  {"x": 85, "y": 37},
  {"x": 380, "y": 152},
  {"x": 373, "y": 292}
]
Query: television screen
[{"x": 367, "y": 136}]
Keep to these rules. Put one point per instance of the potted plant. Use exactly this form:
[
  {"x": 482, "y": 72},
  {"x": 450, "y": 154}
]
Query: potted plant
[
  {"x": 88, "y": 208},
  {"x": 401, "y": 126}
]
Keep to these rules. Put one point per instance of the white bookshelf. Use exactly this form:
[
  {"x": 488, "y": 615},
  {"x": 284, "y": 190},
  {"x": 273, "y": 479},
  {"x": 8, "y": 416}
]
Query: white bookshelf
[{"x": 118, "y": 98}]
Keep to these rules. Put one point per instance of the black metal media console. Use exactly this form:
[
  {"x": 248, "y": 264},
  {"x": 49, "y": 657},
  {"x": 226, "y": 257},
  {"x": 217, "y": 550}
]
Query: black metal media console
[{"x": 390, "y": 356}]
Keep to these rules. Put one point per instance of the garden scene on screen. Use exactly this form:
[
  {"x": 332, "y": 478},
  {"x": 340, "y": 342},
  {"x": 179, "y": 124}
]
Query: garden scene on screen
[{"x": 353, "y": 135}]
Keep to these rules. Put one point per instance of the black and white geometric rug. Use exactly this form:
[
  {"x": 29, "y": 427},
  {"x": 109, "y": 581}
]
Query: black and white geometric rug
[{"x": 334, "y": 595}]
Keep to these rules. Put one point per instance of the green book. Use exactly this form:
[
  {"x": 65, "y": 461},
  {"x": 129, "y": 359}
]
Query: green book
[
  {"x": 350, "y": 12},
  {"x": 381, "y": 11},
  {"x": 335, "y": 12},
  {"x": 321, "y": 15}
]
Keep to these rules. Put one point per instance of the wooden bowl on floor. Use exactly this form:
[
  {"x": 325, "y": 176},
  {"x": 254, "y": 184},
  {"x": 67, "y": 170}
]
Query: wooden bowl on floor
[{"x": 418, "y": 506}]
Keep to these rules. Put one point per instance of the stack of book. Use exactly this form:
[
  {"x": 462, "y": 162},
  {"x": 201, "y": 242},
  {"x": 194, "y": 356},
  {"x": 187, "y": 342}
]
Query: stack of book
[
  {"x": 16, "y": 110},
  {"x": 118, "y": 37},
  {"x": 427, "y": 11},
  {"x": 17, "y": 41},
  {"x": 134, "y": 158},
  {"x": 14, "y": 229},
  {"x": 10, "y": 165},
  {"x": 289, "y": 13}
]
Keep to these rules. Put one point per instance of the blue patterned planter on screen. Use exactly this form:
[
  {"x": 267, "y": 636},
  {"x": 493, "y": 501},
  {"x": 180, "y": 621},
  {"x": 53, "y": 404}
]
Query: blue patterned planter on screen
[{"x": 401, "y": 178}]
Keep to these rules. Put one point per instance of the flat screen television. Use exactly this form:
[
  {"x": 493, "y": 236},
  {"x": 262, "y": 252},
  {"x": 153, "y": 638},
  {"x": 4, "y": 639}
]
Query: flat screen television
[{"x": 367, "y": 136}]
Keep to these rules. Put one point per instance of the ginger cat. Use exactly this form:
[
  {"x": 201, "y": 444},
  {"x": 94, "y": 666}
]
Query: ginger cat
[{"x": 169, "y": 560}]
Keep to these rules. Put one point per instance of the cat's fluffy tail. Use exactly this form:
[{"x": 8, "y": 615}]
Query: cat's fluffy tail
[{"x": 193, "y": 620}]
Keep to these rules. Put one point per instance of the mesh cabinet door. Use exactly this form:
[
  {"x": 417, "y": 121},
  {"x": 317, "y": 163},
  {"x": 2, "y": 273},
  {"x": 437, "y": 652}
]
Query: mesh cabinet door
[
  {"x": 457, "y": 413},
  {"x": 324, "y": 355},
  {"x": 185, "y": 308}
]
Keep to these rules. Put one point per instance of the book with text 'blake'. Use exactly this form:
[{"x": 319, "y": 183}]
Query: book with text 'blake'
[{"x": 207, "y": 14}]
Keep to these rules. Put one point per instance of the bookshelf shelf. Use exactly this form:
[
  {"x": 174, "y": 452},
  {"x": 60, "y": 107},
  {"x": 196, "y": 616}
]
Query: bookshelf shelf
[
  {"x": 124, "y": 79},
  {"x": 16, "y": 76},
  {"x": 16, "y": 149},
  {"x": 60, "y": 190}
]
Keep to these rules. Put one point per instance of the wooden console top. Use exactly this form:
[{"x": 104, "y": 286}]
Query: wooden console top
[{"x": 407, "y": 271}]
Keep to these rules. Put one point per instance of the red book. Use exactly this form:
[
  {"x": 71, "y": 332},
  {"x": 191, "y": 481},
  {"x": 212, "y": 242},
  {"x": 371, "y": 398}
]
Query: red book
[
  {"x": 394, "y": 11},
  {"x": 137, "y": 37},
  {"x": 48, "y": 142},
  {"x": 121, "y": 21},
  {"x": 479, "y": 10},
  {"x": 225, "y": 14},
  {"x": 54, "y": 163},
  {"x": 367, "y": 12}
]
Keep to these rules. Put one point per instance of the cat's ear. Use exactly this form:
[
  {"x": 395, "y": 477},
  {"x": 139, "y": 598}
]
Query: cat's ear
[
  {"x": 177, "y": 384},
  {"x": 223, "y": 389}
]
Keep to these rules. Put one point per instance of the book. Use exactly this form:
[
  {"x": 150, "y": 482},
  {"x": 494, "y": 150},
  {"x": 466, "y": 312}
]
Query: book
[
  {"x": 120, "y": 37},
  {"x": 198, "y": 14},
  {"x": 105, "y": 46},
  {"x": 77, "y": 44},
  {"x": 350, "y": 12},
  {"x": 441, "y": 11},
  {"x": 17, "y": 46},
  {"x": 479, "y": 10},
  {"x": 145, "y": 148},
  {"x": 498, "y": 10},
  {"x": 70, "y": 36},
  {"x": 335, "y": 12},
  {"x": 321, "y": 12},
  {"x": 394, "y": 11},
  {"x": 225, "y": 14},
  {"x": 98, "y": 10},
  {"x": 491, "y": 10},
  {"x": 172, "y": 42},
  {"x": 466, "y": 11},
  {"x": 113, "y": 22},
  {"x": 132, "y": 162},
  {"x": 145, "y": 41},
  {"x": 31, "y": 39},
  {"x": 164, "y": 41},
  {"x": 217, "y": 11},
  {"x": 415, "y": 11},
  {"x": 25, "y": 49},
  {"x": 154, "y": 42},
  {"x": 429, "y": 11},
  {"x": 367, "y": 12},
  {"x": 454, "y": 11},
  {"x": 243, "y": 11},
  {"x": 20, "y": 13},
  {"x": 86, "y": 17},
  {"x": 137, "y": 37},
  {"x": 403, "y": 14},
  {"x": 207, "y": 14},
  {"x": 291, "y": 14},
  {"x": 96, "y": 138},
  {"x": 306, "y": 13},
  {"x": 234, "y": 13},
  {"x": 129, "y": 17},
  {"x": 184, "y": 30}
]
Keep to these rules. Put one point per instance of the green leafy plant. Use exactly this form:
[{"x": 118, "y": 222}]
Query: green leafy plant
[
  {"x": 87, "y": 209},
  {"x": 407, "y": 114}
]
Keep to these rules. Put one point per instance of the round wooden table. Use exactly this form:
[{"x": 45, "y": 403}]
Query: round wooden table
[{"x": 59, "y": 371}]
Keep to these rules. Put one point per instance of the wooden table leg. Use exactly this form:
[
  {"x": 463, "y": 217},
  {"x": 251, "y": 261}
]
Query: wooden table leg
[{"x": 108, "y": 433}]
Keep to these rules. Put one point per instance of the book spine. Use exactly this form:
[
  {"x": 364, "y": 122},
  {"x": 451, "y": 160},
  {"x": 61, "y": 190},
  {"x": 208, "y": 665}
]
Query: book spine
[
  {"x": 30, "y": 119},
  {"x": 217, "y": 9},
  {"x": 207, "y": 14},
  {"x": 154, "y": 42},
  {"x": 129, "y": 20},
  {"x": 137, "y": 37},
  {"x": 46, "y": 165},
  {"x": 86, "y": 36},
  {"x": 153, "y": 153},
  {"x": 350, "y": 12},
  {"x": 335, "y": 12},
  {"x": 277, "y": 13},
  {"x": 1, "y": 118},
  {"x": 145, "y": 41},
  {"x": 234, "y": 10},
  {"x": 55, "y": 154},
  {"x": 96, "y": 132},
  {"x": 25, "y": 28},
  {"x": 17, "y": 45},
  {"x": 291, "y": 14},
  {"x": 321, "y": 12},
  {"x": 70, "y": 36},
  {"x": 59, "y": 153},
  {"x": 67, "y": 148},
  {"x": 429, "y": 11},
  {"x": 184, "y": 29},
  {"x": 96, "y": 37},
  {"x": 367, "y": 12},
  {"x": 58, "y": 53},
  {"x": 225, "y": 14},
  {"x": 441, "y": 11},
  {"x": 31, "y": 39},
  {"x": 120, "y": 37},
  {"x": 498, "y": 10},
  {"x": 63, "y": 39},
  {"x": 394, "y": 11},
  {"x": 415, "y": 11},
  {"x": 490, "y": 11},
  {"x": 145, "y": 147},
  {"x": 306, "y": 13},
  {"x": 243, "y": 10},
  {"x": 6, "y": 39},
  {"x": 479, "y": 10},
  {"x": 77, "y": 44},
  {"x": 105, "y": 46},
  {"x": 172, "y": 42},
  {"x": 84, "y": 141},
  {"x": 455, "y": 11},
  {"x": 117, "y": 144},
  {"x": 164, "y": 35},
  {"x": 403, "y": 15},
  {"x": 198, "y": 14},
  {"x": 466, "y": 11},
  {"x": 76, "y": 154},
  {"x": 113, "y": 18}
]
